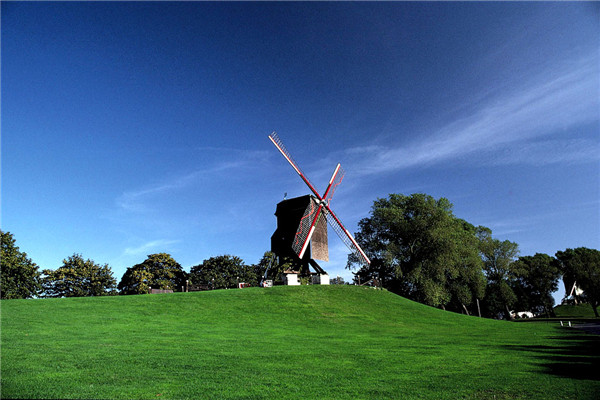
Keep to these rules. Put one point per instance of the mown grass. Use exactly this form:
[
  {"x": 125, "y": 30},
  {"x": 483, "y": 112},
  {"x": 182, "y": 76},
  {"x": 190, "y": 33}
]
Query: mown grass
[
  {"x": 574, "y": 311},
  {"x": 284, "y": 342}
]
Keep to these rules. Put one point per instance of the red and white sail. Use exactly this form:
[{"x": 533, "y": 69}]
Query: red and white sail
[{"x": 317, "y": 207}]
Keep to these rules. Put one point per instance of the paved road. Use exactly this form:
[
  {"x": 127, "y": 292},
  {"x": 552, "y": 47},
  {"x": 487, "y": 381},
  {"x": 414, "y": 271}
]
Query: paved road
[{"x": 592, "y": 327}]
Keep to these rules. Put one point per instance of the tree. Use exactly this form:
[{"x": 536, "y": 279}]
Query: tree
[
  {"x": 420, "y": 250},
  {"x": 78, "y": 278},
  {"x": 223, "y": 272},
  {"x": 536, "y": 278},
  {"x": 583, "y": 265},
  {"x": 466, "y": 281},
  {"x": 159, "y": 271},
  {"x": 268, "y": 265},
  {"x": 569, "y": 262},
  {"x": 19, "y": 276},
  {"x": 497, "y": 259}
]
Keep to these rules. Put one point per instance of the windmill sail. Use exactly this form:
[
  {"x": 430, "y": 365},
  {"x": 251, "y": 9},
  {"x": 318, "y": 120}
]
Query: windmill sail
[
  {"x": 286, "y": 154},
  {"x": 346, "y": 237},
  {"x": 303, "y": 234},
  {"x": 306, "y": 231},
  {"x": 312, "y": 229},
  {"x": 316, "y": 208}
]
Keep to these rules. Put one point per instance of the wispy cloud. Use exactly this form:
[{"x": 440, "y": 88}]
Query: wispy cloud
[
  {"x": 544, "y": 152},
  {"x": 530, "y": 221},
  {"x": 149, "y": 246},
  {"x": 552, "y": 101},
  {"x": 134, "y": 200}
]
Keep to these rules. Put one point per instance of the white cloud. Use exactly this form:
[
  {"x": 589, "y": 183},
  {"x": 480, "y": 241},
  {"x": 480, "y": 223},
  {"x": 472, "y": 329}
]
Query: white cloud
[
  {"x": 531, "y": 221},
  {"x": 149, "y": 246},
  {"x": 551, "y": 102},
  {"x": 546, "y": 152},
  {"x": 235, "y": 160}
]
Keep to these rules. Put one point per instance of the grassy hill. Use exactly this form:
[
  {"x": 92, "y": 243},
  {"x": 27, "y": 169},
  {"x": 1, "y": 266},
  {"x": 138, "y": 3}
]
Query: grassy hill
[
  {"x": 284, "y": 342},
  {"x": 574, "y": 311}
]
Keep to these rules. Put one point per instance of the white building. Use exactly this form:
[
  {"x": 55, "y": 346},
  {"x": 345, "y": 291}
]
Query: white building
[{"x": 290, "y": 278}]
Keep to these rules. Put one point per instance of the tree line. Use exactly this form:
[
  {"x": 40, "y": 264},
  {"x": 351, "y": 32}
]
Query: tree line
[
  {"x": 21, "y": 278},
  {"x": 418, "y": 249}
]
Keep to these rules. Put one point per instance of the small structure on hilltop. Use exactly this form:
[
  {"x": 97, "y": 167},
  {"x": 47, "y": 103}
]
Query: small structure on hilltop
[
  {"x": 156, "y": 291},
  {"x": 301, "y": 234},
  {"x": 573, "y": 293},
  {"x": 290, "y": 277}
]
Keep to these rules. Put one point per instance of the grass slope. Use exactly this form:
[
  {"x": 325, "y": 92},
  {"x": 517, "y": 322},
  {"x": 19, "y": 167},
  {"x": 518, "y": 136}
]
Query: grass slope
[
  {"x": 284, "y": 342},
  {"x": 574, "y": 311}
]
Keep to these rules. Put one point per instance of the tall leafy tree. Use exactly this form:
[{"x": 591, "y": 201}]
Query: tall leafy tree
[
  {"x": 223, "y": 272},
  {"x": 536, "y": 278},
  {"x": 78, "y": 278},
  {"x": 19, "y": 276},
  {"x": 497, "y": 258},
  {"x": 583, "y": 265},
  {"x": 569, "y": 263},
  {"x": 267, "y": 264},
  {"x": 467, "y": 282},
  {"x": 158, "y": 271},
  {"x": 420, "y": 250}
]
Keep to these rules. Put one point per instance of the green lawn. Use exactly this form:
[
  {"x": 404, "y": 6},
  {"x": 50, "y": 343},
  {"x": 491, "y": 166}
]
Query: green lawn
[
  {"x": 574, "y": 311},
  {"x": 312, "y": 342}
]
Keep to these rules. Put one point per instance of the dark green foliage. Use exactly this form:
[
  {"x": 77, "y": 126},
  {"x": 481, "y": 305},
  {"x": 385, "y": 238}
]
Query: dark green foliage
[
  {"x": 78, "y": 278},
  {"x": 223, "y": 272},
  {"x": 498, "y": 257},
  {"x": 574, "y": 311},
  {"x": 583, "y": 266},
  {"x": 567, "y": 263},
  {"x": 268, "y": 264},
  {"x": 19, "y": 276},
  {"x": 338, "y": 280},
  {"x": 420, "y": 250},
  {"x": 536, "y": 278},
  {"x": 466, "y": 281},
  {"x": 158, "y": 271}
]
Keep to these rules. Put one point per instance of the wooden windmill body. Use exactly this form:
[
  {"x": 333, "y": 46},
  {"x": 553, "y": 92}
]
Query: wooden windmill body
[
  {"x": 301, "y": 234},
  {"x": 289, "y": 214}
]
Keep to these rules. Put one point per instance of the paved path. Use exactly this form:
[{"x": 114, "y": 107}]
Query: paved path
[{"x": 592, "y": 327}]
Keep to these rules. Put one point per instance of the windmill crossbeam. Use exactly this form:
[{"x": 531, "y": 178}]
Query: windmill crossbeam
[
  {"x": 347, "y": 238},
  {"x": 318, "y": 206},
  {"x": 286, "y": 154}
]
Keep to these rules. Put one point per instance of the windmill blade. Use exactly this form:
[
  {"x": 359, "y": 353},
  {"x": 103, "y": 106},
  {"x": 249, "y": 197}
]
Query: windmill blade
[
  {"x": 345, "y": 236},
  {"x": 305, "y": 232},
  {"x": 306, "y": 227},
  {"x": 316, "y": 207},
  {"x": 335, "y": 180},
  {"x": 286, "y": 154}
]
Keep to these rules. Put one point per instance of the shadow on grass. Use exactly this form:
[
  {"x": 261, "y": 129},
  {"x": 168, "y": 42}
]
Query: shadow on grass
[{"x": 574, "y": 356}]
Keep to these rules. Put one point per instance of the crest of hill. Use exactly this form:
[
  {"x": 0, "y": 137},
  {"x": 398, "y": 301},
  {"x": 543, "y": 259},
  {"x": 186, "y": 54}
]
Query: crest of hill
[
  {"x": 318, "y": 307},
  {"x": 574, "y": 311}
]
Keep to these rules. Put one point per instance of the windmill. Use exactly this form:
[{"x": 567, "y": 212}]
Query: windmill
[{"x": 301, "y": 221}]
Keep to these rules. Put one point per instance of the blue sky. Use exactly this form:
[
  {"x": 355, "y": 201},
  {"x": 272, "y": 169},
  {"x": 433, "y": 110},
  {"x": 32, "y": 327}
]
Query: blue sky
[{"x": 135, "y": 128}]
